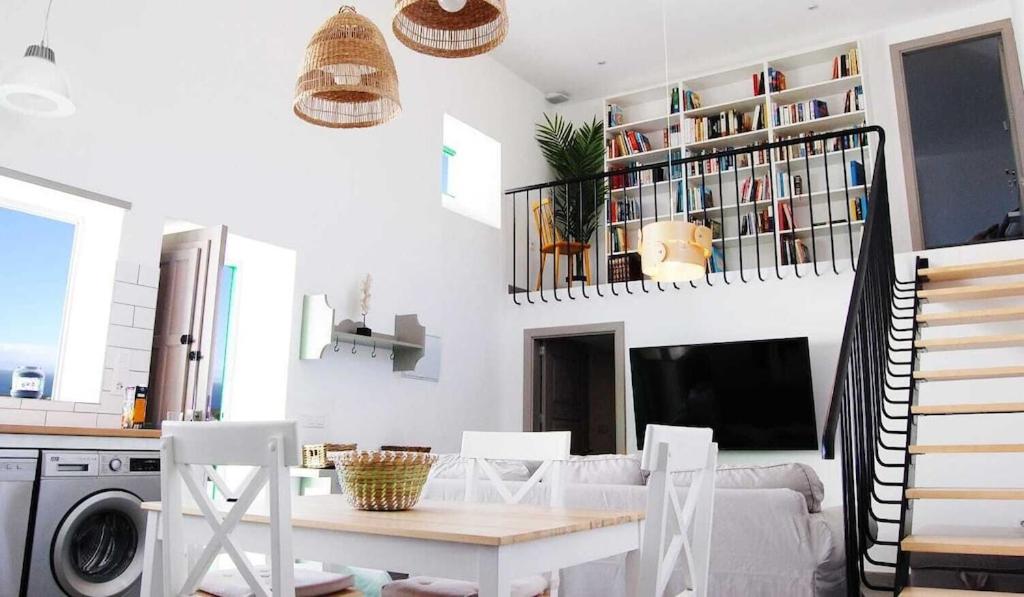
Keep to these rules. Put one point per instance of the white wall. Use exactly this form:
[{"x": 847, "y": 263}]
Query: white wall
[{"x": 190, "y": 118}]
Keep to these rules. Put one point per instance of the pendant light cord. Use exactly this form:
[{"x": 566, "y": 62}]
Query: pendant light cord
[
  {"x": 668, "y": 88},
  {"x": 46, "y": 25}
]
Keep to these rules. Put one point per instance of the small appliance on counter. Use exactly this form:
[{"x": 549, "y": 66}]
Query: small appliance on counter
[{"x": 28, "y": 381}]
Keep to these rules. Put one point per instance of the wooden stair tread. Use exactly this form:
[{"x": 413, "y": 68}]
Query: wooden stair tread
[
  {"x": 978, "y": 373},
  {"x": 971, "y": 342},
  {"x": 965, "y": 493},
  {"x": 927, "y": 592},
  {"x": 965, "y": 448},
  {"x": 972, "y": 270},
  {"x": 968, "y": 409},
  {"x": 970, "y": 545},
  {"x": 976, "y": 316},
  {"x": 965, "y": 293}
]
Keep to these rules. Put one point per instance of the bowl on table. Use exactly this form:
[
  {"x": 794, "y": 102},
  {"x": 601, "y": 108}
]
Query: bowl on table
[{"x": 387, "y": 481}]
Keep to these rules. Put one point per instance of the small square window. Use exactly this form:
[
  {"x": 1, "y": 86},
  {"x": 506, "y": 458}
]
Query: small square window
[{"x": 470, "y": 173}]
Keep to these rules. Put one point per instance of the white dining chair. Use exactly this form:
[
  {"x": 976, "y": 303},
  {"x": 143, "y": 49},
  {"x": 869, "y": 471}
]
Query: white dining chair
[
  {"x": 675, "y": 531},
  {"x": 188, "y": 454},
  {"x": 479, "y": 449}
]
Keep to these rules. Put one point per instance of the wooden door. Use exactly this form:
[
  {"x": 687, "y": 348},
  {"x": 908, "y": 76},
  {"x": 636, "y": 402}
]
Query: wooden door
[
  {"x": 186, "y": 321},
  {"x": 564, "y": 391}
]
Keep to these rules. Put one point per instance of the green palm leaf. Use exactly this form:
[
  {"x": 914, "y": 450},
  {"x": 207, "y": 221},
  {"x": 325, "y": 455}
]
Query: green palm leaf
[{"x": 571, "y": 153}]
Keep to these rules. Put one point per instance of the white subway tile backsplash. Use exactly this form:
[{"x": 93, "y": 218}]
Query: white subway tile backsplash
[
  {"x": 111, "y": 402},
  {"x": 127, "y": 272},
  {"x": 121, "y": 314},
  {"x": 140, "y": 360},
  {"x": 144, "y": 318},
  {"x": 108, "y": 380},
  {"x": 128, "y": 337},
  {"x": 16, "y": 416},
  {"x": 52, "y": 405},
  {"x": 70, "y": 419},
  {"x": 87, "y": 407},
  {"x": 149, "y": 276},
  {"x": 137, "y": 378},
  {"x": 8, "y": 402},
  {"x": 108, "y": 421},
  {"x": 133, "y": 294}
]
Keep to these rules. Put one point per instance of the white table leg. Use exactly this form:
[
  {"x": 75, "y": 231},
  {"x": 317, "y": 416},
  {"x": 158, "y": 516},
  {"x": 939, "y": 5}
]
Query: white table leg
[
  {"x": 493, "y": 581},
  {"x": 632, "y": 572},
  {"x": 152, "y": 559}
]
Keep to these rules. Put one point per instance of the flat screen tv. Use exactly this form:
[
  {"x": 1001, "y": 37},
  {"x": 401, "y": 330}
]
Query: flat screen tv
[{"x": 755, "y": 395}]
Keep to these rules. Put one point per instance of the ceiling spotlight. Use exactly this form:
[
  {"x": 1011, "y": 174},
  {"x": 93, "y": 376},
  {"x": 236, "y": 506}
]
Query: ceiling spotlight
[
  {"x": 602, "y": 62},
  {"x": 812, "y": 6}
]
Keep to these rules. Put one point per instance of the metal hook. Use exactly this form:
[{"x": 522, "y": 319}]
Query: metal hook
[
  {"x": 373, "y": 353},
  {"x": 354, "y": 351},
  {"x": 336, "y": 347},
  {"x": 392, "y": 357}
]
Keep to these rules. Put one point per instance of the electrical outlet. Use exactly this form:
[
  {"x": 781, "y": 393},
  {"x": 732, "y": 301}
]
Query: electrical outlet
[{"x": 312, "y": 421}]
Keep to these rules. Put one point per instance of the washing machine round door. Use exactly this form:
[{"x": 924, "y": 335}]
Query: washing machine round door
[{"x": 97, "y": 550}]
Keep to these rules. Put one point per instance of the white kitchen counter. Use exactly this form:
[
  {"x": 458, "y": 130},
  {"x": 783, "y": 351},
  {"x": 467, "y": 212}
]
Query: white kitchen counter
[{"x": 78, "y": 438}]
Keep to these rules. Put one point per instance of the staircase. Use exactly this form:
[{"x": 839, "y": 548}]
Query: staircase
[{"x": 956, "y": 296}]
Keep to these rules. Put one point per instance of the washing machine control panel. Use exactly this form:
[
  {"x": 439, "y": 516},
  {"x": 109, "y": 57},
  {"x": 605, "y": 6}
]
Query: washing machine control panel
[{"x": 129, "y": 463}]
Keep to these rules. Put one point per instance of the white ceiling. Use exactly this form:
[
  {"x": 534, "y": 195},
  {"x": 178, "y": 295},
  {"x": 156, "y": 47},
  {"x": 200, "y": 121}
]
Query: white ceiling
[{"x": 556, "y": 45}]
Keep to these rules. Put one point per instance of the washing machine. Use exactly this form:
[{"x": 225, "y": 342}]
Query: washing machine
[{"x": 89, "y": 530}]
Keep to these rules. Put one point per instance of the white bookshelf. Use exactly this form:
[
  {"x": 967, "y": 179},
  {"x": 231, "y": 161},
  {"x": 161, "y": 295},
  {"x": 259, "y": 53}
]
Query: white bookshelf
[{"x": 808, "y": 77}]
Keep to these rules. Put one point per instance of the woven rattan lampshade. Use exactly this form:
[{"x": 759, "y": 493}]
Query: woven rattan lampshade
[
  {"x": 348, "y": 78},
  {"x": 428, "y": 28}
]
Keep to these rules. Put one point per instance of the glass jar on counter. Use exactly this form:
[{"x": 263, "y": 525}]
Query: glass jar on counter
[{"x": 28, "y": 382}]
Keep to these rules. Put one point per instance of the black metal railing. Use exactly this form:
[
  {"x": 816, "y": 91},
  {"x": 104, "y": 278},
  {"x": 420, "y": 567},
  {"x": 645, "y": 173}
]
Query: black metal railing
[
  {"x": 793, "y": 207},
  {"x": 869, "y": 411}
]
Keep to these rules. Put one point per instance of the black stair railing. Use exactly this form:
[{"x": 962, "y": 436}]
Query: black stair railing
[
  {"x": 789, "y": 208},
  {"x": 868, "y": 420}
]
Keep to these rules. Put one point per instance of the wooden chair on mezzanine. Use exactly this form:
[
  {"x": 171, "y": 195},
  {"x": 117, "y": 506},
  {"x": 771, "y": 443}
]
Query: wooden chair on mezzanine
[
  {"x": 188, "y": 453},
  {"x": 674, "y": 531},
  {"x": 551, "y": 449},
  {"x": 553, "y": 243}
]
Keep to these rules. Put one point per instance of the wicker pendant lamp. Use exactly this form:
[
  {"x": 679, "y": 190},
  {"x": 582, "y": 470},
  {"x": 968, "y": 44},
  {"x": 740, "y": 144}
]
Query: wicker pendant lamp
[
  {"x": 451, "y": 28},
  {"x": 348, "y": 79}
]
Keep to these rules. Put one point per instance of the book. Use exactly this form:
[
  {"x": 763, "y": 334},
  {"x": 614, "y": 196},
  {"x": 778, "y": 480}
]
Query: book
[
  {"x": 854, "y": 100},
  {"x": 856, "y": 174},
  {"x": 784, "y": 114},
  {"x": 616, "y": 117},
  {"x": 846, "y": 65},
  {"x": 674, "y": 101},
  {"x": 691, "y": 100}
]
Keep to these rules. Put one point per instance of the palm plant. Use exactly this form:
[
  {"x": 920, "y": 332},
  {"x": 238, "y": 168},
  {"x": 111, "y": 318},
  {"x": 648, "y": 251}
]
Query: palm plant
[{"x": 575, "y": 152}]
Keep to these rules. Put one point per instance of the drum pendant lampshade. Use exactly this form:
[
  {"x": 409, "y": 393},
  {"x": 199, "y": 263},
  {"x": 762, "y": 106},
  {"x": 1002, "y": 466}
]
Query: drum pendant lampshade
[
  {"x": 443, "y": 29},
  {"x": 348, "y": 78},
  {"x": 674, "y": 251},
  {"x": 35, "y": 86}
]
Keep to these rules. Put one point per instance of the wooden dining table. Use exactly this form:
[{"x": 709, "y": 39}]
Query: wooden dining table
[{"x": 491, "y": 544}]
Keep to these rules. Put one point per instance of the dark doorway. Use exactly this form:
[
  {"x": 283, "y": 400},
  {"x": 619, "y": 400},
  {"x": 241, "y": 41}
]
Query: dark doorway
[
  {"x": 574, "y": 390},
  {"x": 958, "y": 106}
]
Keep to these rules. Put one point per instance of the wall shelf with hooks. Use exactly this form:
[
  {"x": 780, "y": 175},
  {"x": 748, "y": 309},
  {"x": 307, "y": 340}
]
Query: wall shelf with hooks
[{"x": 320, "y": 334}]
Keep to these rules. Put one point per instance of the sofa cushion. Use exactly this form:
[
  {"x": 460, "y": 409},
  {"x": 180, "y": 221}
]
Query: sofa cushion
[
  {"x": 604, "y": 469},
  {"x": 453, "y": 466},
  {"x": 792, "y": 475}
]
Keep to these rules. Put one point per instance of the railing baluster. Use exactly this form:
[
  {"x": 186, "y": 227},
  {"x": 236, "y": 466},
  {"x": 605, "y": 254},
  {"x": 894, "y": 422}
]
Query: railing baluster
[
  {"x": 849, "y": 212},
  {"x": 739, "y": 217},
  {"x": 828, "y": 203},
  {"x": 596, "y": 264},
  {"x": 810, "y": 205},
  {"x": 794, "y": 256},
  {"x": 721, "y": 223}
]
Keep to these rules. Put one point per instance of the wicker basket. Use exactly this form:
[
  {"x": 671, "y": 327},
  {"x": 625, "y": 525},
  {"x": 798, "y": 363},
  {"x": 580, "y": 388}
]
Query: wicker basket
[
  {"x": 405, "y": 448},
  {"x": 318, "y": 455},
  {"x": 383, "y": 480}
]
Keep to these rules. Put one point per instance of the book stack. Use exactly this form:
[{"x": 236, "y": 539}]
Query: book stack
[
  {"x": 672, "y": 136},
  {"x": 673, "y": 107},
  {"x": 753, "y": 190},
  {"x": 800, "y": 112},
  {"x": 846, "y": 65},
  {"x": 800, "y": 150},
  {"x": 794, "y": 250},
  {"x": 726, "y": 163},
  {"x": 617, "y": 239},
  {"x": 858, "y": 208},
  {"x": 624, "y": 180},
  {"x": 854, "y": 101},
  {"x": 691, "y": 100},
  {"x": 628, "y": 143},
  {"x": 714, "y": 225},
  {"x": 616, "y": 117},
  {"x": 776, "y": 81},
  {"x": 755, "y": 223},
  {"x": 786, "y": 222},
  {"x": 730, "y": 122},
  {"x": 623, "y": 210},
  {"x": 624, "y": 268},
  {"x": 856, "y": 174},
  {"x": 700, "y": 199}
]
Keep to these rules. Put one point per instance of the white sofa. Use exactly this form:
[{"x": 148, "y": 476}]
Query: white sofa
[{"x": 770, "y": 537}]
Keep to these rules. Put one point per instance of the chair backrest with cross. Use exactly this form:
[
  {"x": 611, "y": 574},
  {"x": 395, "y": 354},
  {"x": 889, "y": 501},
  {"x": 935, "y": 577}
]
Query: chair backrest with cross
[
  {"x": 675, "y": 530},
  {"x": 188, "y": 453},
  {"x": 553, "y": 242},
  {"x": 550, "y": 448}
]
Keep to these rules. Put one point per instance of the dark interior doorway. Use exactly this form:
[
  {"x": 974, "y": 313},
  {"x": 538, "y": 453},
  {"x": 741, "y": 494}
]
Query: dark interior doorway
[{"x": 574, "y": 390}]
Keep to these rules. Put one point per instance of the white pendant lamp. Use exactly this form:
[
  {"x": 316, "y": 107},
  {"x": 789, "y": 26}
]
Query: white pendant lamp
[
  {"x": 33, "y": 85},
  {"x": 673, "y": 250}
]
